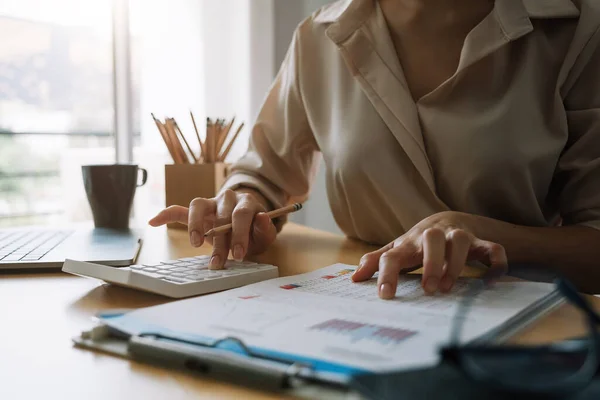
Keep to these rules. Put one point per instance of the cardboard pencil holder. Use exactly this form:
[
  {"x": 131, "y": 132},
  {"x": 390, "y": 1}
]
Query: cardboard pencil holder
[{"x": 185, "y": 182}]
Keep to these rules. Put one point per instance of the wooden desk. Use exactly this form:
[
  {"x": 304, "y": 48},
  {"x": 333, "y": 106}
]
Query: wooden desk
[{"x": 39, "y": 313}]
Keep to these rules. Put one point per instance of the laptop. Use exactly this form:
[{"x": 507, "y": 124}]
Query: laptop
[{"x": 38, "y": 247}]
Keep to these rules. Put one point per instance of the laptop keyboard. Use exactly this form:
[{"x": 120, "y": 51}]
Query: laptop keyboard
[{"x": 29, "y": 245}]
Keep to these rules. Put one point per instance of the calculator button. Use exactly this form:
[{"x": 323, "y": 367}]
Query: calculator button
[
  {"x": 198, "y": 268},
  {"x": 182, "y": 264},
  {"x": 170, "y": 262},
  {"x": 194, "y": 274},
  {"x": 163, "y": 273},
  {"x": 200, "y": 263},
  {"x": 215, "y": 272},
  {"x": 195, "y": 279},
  {"x": 136, "y": 267},
  {"x": 143, "y": 272},
  {"x": 166, "y": 267},
  {"x": 197, "y": 272},
  {"x": 173, "y": 280},
  {"x": 150, "y": 269}
]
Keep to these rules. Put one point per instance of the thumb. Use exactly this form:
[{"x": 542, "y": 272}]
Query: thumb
[
  {"x": 369, "y": 264},
  {"x": 263, "y": 233}
]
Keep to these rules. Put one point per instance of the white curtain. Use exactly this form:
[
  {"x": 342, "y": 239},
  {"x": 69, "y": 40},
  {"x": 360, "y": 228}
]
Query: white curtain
[{"x": 214, "y": 57}]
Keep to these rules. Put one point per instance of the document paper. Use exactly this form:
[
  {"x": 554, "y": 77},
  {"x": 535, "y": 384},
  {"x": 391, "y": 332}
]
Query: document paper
[{"x": 323, "y": 315}]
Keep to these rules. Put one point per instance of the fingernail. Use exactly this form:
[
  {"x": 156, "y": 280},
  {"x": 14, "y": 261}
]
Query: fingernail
[
  {"x": 215, "y": 262},
  {"x": 238, "y": 253},
  {"x": 362, "y": 263},
  {"x": 386, "y": 291},
  {"x": 431, "y": 284},
  {"x": 446, "y": 283},
  {"x": 196, "y": 239}
]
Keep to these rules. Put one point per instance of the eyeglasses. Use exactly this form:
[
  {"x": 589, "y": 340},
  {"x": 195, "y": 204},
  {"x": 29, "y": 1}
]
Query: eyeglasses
[{"x": 547, "y": 370}]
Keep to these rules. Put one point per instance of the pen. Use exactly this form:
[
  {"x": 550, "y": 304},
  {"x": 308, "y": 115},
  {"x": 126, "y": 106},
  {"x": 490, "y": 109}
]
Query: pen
[{"x": 272, "y": 214}]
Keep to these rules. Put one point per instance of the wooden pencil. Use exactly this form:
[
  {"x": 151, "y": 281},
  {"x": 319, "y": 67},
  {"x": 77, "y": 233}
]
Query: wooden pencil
[
  {"x": 202, "y": 147},
  {"x": 219, "y": 138},
  {"x": 185, "y": 141},
  {"x": 217, "y": 132},
  {"x": 224, "y": 154},
  {"x": 223, "y": 137},
  {"x": 272, "y": 214},
  {"x": 165, "y": 137},
  {"x": 209, "y": 141},
  {"x": 182, "y": 157}
]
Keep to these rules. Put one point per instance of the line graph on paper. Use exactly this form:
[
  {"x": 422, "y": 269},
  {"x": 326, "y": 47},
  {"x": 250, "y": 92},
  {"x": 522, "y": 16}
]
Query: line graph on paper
[
  {"x": 358, "y": 331},
  {"x": 238, "y": 316}
]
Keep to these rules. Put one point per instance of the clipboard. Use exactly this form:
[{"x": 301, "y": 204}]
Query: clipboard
[
  {"x": 227, "y": 359},
  {"x": 165, "y": 334}
]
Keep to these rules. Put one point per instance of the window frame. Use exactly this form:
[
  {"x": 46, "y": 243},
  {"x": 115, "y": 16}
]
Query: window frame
[{"x": 122, "y": 104}]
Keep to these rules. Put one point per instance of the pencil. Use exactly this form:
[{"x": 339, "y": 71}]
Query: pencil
[
  {"x": 224, "y": 135},
  {"x": 165, "y": 137},
  {"x": 182, "y": 157},
  {"x": 209, "y": 141},
  {"x": 225, "y": 152},
  {"x": 202, "y": 148},
  {"x": 272, "y": 214},
  {"x": 185, "y": 141}
]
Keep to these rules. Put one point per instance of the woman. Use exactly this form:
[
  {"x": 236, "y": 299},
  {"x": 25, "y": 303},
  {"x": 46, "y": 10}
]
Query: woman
[{"x": 450, "y": 130}]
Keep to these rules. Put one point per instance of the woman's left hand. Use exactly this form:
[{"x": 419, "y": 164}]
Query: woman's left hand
[{"x": 441, "y": 243}]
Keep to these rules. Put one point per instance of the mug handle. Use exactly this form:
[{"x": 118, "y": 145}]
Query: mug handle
[{"x": 144, "y": 177}]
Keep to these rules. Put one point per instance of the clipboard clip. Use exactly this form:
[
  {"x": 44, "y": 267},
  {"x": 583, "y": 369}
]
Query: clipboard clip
[
  {"x": 228, "y": 359},
  {"x": 245, "y": 366}
]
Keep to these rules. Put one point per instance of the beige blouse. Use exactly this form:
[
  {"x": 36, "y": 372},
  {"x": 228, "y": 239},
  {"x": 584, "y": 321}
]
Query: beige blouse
[{"x": 514, "y": 134}]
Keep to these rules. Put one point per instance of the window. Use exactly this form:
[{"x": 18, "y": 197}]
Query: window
[
  {"x": 58, "y": 80},
  {"x": 56, "y": 103}
]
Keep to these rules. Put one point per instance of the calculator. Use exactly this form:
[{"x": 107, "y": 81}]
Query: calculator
[{"x": 184, "y": 277}]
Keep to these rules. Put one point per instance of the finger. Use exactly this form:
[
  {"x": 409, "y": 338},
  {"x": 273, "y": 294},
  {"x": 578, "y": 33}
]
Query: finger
[
  {"x": 242, "y": 217},
  {"x": 494, "y": 255},
  {"x": 209, "y": 223},
  {"x": 434, "y": 249},
  {"x": 391, "y": 263},
  {"x": 263, "y": 233},
  {"x": 225, "y": 208},
  {"x": 199, "y": 208},
  {"x": 169, "y": 215},
  {"x": 458, "y": 243},
  {"x": 369, "y": 264}
]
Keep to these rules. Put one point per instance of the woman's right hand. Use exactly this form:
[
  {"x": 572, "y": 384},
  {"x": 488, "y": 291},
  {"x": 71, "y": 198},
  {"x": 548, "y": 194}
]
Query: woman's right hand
[{"x": 252, "y": 231}]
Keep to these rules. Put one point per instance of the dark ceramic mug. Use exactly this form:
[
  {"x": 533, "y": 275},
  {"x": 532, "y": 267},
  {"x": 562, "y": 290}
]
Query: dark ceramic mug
[{"x": 110, "y": 190}]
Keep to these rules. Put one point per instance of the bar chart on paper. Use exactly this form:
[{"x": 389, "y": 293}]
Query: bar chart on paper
[{"x": 358, "y": 331}]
